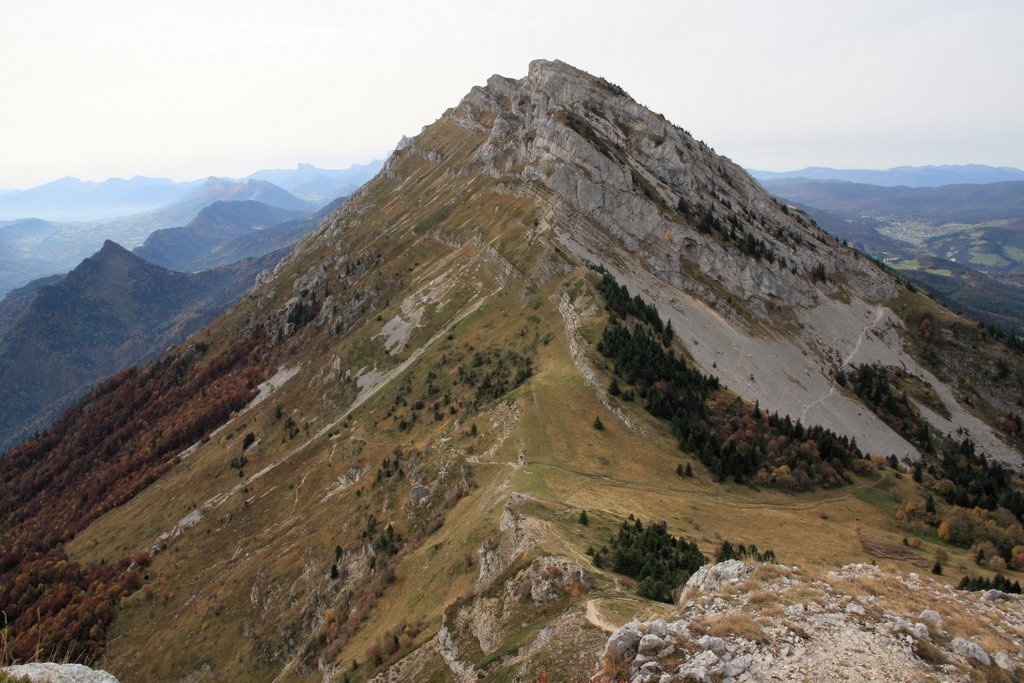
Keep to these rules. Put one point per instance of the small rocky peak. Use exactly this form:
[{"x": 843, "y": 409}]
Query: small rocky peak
[
  {"x": 544, "y": 69},
  {"x": 111, "y": 248}
]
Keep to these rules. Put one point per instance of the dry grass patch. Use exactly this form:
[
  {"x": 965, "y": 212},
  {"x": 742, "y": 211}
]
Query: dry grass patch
[
  {"x": 762, "y": 597},
  {"x": 739, "y": 588},
  {"x": 766, "y": 603},
  {"x": 992, "y": 641},
  {"x": 929, "y": 652},
  {"x": 804, "y": 594},
  {"x": 740, "y": 624},
  {"x": 767, "y": 573}
]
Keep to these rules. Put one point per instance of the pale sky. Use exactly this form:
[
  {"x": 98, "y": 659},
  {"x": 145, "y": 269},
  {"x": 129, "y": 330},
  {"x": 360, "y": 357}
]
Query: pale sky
[{"x": 186, "y": 89}]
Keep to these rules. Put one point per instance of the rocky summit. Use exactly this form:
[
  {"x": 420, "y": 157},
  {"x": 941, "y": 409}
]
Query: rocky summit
[
  {"x": 858, "y": 622},
  {"x": 550, "y": 398}
]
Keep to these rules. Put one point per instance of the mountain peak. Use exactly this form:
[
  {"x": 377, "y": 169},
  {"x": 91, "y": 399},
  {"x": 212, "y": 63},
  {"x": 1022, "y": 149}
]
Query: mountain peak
[
  {"x": 111, "y": 248},
  {"x": 458, "y": 289},
  {"x": 539, "y": 67}
]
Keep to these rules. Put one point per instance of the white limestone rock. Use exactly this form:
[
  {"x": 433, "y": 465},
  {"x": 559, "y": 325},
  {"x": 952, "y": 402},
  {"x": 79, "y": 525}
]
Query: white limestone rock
[{"x": 49, "y": 672}]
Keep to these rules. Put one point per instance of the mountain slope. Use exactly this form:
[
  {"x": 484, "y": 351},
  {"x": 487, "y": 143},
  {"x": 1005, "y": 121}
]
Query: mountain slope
[
  {"x": 112, "y": 311},
  {"x": 447, "y": 385},
  {"x": 196, "y": 246},
  {"x": 17, "y": 300}
]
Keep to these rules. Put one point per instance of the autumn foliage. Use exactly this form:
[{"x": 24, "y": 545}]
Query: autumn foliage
[{"x": 102, "y": 451}]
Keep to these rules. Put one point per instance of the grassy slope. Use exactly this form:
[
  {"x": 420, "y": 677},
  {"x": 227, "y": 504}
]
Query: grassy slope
[
  {"x": 251, "y": 576},
  {"x": 612, "y": 473}
]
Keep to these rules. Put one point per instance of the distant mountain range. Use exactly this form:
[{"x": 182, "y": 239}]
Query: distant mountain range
[
  {"x": 963, "y": 203},
  {"x": 964, "y": 243},
  {"x": 909, "y": 176},
  {"x": 320, "y": 184},
  {"x": 186, "y": 248},
  {"x": 71, "y": 199},
  {"x": 32, "y": 248},
  {"x": 113, "y": 311},
  {"x": 60, "y": 333},
  {"x": 74, "y": 200},
  {"x": 224, "y": 189},
  {"x": 227, "y": 231}
]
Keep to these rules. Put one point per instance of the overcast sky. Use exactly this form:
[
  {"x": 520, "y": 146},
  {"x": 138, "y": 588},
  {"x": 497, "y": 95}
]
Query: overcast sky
[{"x": 190, "y": 89}]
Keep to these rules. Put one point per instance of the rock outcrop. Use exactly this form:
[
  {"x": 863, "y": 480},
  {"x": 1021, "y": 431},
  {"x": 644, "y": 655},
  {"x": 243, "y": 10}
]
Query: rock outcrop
[
  {"x": 49, "y": 672},
  {"x": 859, "y": 623}
]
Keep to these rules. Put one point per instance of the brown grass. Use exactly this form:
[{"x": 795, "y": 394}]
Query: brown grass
[
  {"x": 741, "y": 624},
  {"x": 929, "y": 652}
]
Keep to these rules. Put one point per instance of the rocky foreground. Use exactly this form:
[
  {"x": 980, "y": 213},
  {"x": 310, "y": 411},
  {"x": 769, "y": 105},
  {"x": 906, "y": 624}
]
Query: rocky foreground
[
  {"x": 739, "y": 622},
  {"x": 49, "y": 672}
]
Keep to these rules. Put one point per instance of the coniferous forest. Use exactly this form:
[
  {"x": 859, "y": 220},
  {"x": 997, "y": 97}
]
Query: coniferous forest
[
  {"x": 732, "y": 438},
  {"x": 658, "y": 561}
]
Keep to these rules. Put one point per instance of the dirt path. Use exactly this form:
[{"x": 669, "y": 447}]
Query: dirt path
[
  {"x": 818, "y": 401},
  {"x": 595, "y": 618},
  {"x": 879, "y": 314}
]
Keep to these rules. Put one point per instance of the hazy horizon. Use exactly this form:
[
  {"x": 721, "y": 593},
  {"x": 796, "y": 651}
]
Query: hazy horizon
[
  {"x": 189, "y": 90},
  {"x": 301, "y": 163},
  {"x": 201, "y": 177}
]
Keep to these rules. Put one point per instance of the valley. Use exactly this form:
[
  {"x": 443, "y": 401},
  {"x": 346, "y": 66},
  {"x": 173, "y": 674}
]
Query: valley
[{"x": 961, "y": 242}]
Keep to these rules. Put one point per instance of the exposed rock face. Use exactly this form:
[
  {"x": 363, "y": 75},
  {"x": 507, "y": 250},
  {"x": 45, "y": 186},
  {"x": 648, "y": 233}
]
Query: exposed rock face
[
  {"x": 770, "y": 622},
  {"x": 595, "y": 147},
  {"x": 625, "y": 188},
  {"x": 59, "y": 673},
  {"x": 486, "y": 622},
  {"x": 711, "y": 577}
]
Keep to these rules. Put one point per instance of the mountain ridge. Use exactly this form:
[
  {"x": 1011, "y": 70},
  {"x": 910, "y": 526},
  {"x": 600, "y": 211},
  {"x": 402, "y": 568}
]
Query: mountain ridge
[
  {"x": 442, "y": 411},
  {"x": 71, "y": 199},
  {"x": 112, "y": 311},
  {"x": 193, "y": 247}
]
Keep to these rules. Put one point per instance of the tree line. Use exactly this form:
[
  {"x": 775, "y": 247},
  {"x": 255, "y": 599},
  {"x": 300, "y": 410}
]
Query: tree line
[{"x": 729, "y": 436}]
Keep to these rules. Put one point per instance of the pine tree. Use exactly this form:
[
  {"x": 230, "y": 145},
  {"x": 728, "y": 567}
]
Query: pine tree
[
  {"x": 598, "y": 425},
  {"x": 584, "y": 520},
  {"x": 727, "y": 552}
]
